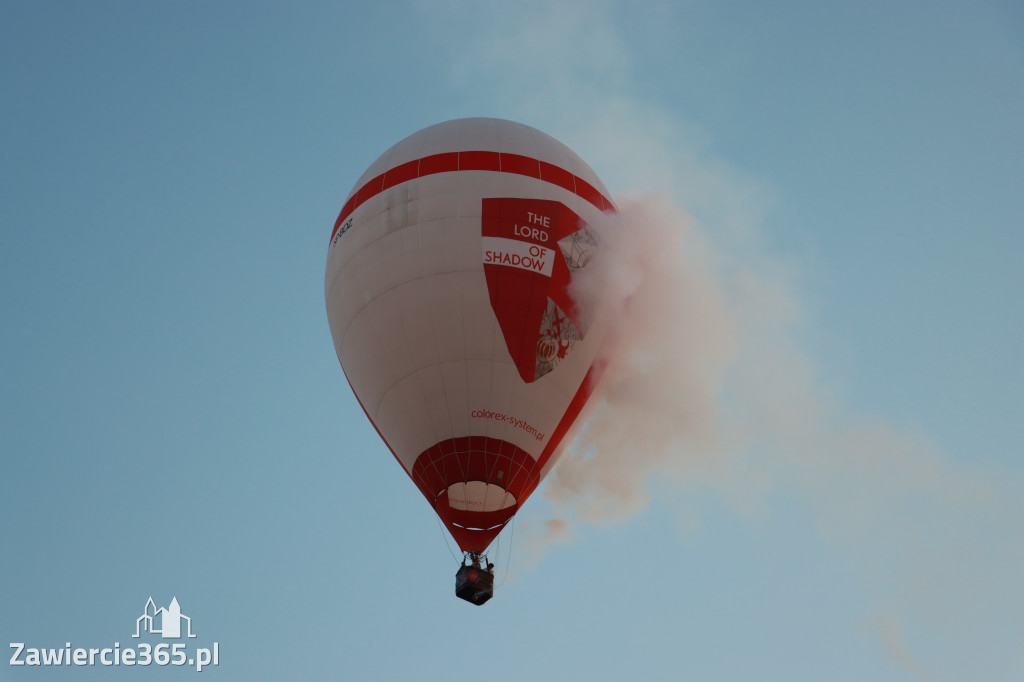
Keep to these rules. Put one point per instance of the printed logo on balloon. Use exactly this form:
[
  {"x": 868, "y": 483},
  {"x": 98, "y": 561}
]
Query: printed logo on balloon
[{"x": 532, "y": 250}]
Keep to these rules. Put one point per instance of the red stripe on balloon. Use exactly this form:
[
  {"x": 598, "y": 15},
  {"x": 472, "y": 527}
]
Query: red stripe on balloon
[
  {"x": 521, "y": 165},
  {"x": 438, "y": 163},
  {"x": 487, "y": 161},
  {"x": 499, "y": 162}
]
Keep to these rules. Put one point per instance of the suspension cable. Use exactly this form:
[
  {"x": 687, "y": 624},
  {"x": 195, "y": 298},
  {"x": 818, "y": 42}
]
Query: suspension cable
[
  {"x": 445, "y": 536},
  {"x": 508, "y": 552}
]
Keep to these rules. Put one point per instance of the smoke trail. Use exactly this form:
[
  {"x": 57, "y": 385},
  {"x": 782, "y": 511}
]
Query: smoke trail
[
  {"x": 708, "y": 388},
  {"x": 671, "y": 340},
  {"x": 893, "y": 639}
]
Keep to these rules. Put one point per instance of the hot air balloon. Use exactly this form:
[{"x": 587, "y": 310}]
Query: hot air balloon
[{"x": 450, "y": 298}]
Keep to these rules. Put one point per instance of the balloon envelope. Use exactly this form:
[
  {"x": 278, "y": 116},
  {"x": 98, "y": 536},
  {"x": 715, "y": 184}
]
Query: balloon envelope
[{"x": 450, "y": 298}]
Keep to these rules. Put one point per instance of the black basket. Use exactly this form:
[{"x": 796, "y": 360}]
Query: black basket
[{"x": 474, "y": 584}]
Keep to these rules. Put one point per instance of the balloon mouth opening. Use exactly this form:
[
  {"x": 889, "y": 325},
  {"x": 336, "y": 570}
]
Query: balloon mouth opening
[
  {"x": 472, "y": 537},
  {"x": 479, "y": 496},
  {"x": 459, "y": 525},
  {"x": 474, "y": 529}
]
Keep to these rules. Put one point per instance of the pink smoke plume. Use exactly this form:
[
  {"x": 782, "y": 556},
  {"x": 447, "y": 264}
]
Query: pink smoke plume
[
  {"x": 708, "y": 388},
  {"x": 669, "y": 343}
]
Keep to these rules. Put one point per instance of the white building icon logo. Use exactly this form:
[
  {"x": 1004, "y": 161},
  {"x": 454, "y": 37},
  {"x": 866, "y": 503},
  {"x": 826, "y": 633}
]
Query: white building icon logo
[{"x": 163, "y": 622}]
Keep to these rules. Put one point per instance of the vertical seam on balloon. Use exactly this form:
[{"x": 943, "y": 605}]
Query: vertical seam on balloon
[
  {"x": 509, "y": 483},
  {"x": 374, "y": 424},
  {"x": 462, "y": 308},
  {"x": 435, "y": 458},
  {"x": 426, "y": 401},
  {"x": 444, "y": 384},
  {"x": 433, "y": 331}
]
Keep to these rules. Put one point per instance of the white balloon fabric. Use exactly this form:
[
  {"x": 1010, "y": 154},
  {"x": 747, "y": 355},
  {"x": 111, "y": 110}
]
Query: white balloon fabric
[{"x": 450, "y": 300}]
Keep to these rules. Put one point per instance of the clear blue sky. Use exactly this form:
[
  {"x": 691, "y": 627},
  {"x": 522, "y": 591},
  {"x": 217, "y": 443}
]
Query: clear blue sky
[{"x": 174, "y": 423}]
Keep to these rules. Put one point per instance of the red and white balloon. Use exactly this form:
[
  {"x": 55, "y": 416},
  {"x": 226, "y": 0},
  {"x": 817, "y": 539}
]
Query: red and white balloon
[{"x": 450, "y": 300}]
